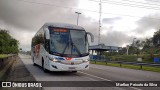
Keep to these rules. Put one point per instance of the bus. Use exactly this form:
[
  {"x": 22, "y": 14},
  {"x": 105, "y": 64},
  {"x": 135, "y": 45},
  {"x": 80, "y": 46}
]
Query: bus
[{"x": 61, "y": 47}]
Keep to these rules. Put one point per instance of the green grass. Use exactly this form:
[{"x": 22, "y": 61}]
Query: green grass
[
  {"x": 3, "y": 55},
  {"x": 131, "y": 66},
  {"x": 108, "y": 64},
  {"x": 147, "y": 68}
]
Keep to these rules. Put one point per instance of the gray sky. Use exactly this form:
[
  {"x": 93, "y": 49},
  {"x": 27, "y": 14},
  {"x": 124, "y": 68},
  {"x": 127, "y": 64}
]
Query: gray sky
[{"x": 120, "y": 23}]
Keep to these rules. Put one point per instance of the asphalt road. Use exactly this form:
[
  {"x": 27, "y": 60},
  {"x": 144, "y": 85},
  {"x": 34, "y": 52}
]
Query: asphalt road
[{"x": 95, "y": 73}]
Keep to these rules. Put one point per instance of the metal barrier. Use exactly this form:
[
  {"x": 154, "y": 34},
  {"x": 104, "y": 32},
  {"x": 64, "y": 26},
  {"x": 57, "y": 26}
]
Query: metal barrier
[
  {"x": 6, "y": 65},
  {"x": 130, "y": 63},
  {"x": 7, "y": 60}
]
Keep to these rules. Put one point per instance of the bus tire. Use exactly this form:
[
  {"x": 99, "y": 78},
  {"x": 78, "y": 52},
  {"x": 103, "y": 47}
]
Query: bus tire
[
  {"x": 44, "y": 69},
  {"x": 33, "y": 62}
]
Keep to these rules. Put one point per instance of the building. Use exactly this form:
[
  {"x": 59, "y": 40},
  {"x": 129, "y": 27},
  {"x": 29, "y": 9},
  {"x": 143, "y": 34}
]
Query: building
[{"x": 97, "y": 50}]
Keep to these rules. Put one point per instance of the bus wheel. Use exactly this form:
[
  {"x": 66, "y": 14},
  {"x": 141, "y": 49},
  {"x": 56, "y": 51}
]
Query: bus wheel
[
  {"x": 44, "y": 69},
  {"x": 33, "y": 62}
]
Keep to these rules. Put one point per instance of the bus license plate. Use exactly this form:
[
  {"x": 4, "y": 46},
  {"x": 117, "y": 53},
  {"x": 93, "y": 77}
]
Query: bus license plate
[{"x": 72, "y": 68}]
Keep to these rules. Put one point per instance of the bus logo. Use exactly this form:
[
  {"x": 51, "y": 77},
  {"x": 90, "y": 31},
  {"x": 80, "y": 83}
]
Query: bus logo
[{"x": 67, "y": 58}]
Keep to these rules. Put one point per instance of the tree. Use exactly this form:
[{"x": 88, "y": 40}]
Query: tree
[
  {"x": 156, "y": 38},
  {"x": 122, "y": 51},
  {"x": 147, "y": 45},
  {"x": 7, "y": 43},
  {"x": 132, "y": 49}
]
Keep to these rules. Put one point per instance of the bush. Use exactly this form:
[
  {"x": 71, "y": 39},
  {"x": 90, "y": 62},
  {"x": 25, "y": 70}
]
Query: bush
[
  {"x": 133, "y": 58},
  {"x": 8, "y": 45}
]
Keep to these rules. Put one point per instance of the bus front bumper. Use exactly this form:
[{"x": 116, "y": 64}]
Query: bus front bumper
[{"x": 56, "y": 66}]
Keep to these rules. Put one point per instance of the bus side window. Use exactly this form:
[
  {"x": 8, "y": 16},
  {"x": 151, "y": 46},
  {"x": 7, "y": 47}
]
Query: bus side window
[
  {"x": 33, "y": 50},
  {"x": 47, "y": 44}
]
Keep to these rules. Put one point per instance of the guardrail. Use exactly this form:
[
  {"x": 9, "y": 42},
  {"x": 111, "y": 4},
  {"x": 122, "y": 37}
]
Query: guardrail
[
  {"x": 130, "y": 63},
  {"x": 6, "y": 60},
  {"x": 5, "y": 65}
]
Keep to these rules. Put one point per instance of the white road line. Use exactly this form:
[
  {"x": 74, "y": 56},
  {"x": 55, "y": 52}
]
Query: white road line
[
  {"x": 104, "y": 79},
  {"x": 135, "y": 88},
  {"x": 94, "y": 76}
]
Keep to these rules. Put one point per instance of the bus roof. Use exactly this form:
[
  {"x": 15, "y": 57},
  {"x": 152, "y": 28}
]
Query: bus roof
[{"x": 63, "y": 25}]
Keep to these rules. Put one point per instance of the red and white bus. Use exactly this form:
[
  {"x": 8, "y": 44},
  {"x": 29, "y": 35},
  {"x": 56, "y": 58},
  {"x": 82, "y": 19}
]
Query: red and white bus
[{"x": 61, "y": 47}]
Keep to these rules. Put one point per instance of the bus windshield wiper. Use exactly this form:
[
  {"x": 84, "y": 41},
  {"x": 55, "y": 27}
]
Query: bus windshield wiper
[
  {"x": 75, "y": 48},
  {"x": 65, "y": 48},
  {"x": 70, "y": 42}
]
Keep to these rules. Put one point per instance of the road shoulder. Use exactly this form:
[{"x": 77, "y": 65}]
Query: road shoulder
[{"x": 20, "y": 73}]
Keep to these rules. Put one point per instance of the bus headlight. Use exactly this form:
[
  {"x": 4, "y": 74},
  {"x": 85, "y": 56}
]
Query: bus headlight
[
  {"x": 86, "y": 60},
  {"x": 53, "y": 59}
]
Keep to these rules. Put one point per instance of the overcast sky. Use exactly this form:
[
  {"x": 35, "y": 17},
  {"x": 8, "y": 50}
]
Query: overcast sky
[{"x": 122, "y": 20}]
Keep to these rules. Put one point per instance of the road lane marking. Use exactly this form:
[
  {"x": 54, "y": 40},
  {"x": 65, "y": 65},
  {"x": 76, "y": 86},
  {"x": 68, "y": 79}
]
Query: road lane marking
[
  {"x": 135, "y": 88},
  {"x": 104, "y": 79},
  {"x": 90, "y": 78},
  {"x": 94, "y": 76}
]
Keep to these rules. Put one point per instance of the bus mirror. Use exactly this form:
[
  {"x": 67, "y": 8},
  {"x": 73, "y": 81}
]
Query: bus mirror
[
  {"x": 92, "y": 37},
  {"x": 47, "y": 34},
  {"x": 47, "y": 37}
]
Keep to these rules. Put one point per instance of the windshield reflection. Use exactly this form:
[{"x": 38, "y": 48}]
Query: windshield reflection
[{"x": 70, "y": 43}]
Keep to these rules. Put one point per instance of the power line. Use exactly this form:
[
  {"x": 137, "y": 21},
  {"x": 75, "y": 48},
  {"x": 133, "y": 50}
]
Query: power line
[
  {"x": 54, "y": 5},
  {"x": 129, "y": 4},
  {"x": 153, "y": 1},
  {"x": 155, "y": 4}
]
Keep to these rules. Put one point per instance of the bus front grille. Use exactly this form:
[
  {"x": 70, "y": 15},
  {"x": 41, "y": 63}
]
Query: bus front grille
[{"x": 71, "y": 62}]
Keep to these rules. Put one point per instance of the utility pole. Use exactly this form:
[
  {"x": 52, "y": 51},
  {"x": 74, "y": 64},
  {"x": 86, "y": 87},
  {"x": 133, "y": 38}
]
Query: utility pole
[
  {"x": 77, "y": 16},
  {"x": 133, "y": 42},
  {"x": 127, "y": 47},
  {"x": 134, "y": 45},
  {"x": 100, "y": 11}
]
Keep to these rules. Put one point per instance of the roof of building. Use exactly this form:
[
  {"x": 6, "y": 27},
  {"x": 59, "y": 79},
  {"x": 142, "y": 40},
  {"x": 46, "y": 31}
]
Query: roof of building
[{"x": 103, "y": 47}]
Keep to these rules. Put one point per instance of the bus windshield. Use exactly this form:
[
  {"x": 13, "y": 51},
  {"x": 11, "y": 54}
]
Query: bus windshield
[{"x": 68, "y": 43}]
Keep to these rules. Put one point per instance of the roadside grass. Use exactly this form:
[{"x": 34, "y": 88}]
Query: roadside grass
[
  {"x": 3, "y": 55},
  {"x": 146, "y": 68},
  {"x": 149, "y": 68},
  {"x": 108, "y": 64},
  {"x": 131, "y": 66}
]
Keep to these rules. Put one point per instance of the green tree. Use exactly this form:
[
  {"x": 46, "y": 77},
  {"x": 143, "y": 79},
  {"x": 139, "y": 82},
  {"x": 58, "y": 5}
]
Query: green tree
[
  {"x": 132, "y": 49},
  {"x": 156, "y": 38},
  {"x": 122, "y": 51},
  {"x": 8, "y": 44},
  {"x": 147, "y": 45}
]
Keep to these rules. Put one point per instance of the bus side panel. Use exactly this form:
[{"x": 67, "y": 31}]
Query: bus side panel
[
  {"x": 37, "y": 55},
  {"x": 44, "y": 55}
]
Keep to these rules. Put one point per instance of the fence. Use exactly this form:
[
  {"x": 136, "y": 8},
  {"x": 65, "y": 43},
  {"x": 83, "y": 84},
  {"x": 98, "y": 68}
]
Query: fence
[{"x": 130, "y": 63}]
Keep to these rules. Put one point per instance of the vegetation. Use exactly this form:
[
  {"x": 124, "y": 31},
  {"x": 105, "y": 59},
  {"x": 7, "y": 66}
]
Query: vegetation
[
  {"x": 3, "y": 55},
  {"x": 133, "y": 58},
  {"x": 146, "y": 49},
  {"x": 148, "y": 46},
  {"x": 8, "y": 45}
]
